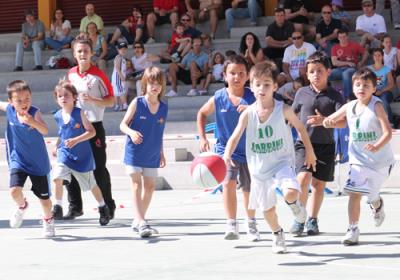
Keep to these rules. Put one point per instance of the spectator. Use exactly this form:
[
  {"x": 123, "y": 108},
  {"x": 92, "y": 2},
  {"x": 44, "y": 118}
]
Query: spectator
[
  {"x": 300, "y": 13},
  {"x": 33, "y": 33},
  {"x": 346, "y": 59},
  {"x": 141, "y": 60},
  {"x": 99, "y": 46},
  {"x": 295, "y": 56},
  {"x": 288, "y": 90},
  {"x": 242, "y": 9},
  {"x": 370, "y": 26},
  {"x": 327, "y": 30},
  {"x": 180, "y": 45},
  {"x": 389, "y": 53},
  {"x": 384, "y": 81},
  {"x": 394, "y": 7},
  {"x": 193, "y": 67},
  {"x": 60, "y": 32},
  {"x": 338, "y": 13},
  {"x": 165, "y": 11},
  {"x": 250, "y": 49},
  {"x": 208, "y": 9},
  {"x": 131, "y": 29},
  {"x": 91, "y": 17},
  {"x": 186, "y": 19},
  {"x": 215, "y": 74},
  {"x": 278, "y": 37}
]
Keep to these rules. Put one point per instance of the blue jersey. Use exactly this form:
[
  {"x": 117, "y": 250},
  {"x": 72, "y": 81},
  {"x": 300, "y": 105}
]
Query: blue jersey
[
  {"x": 151, "y": 126},
  {"x": 80, "y": 157},
  {"x": 227, "y": 117},
  {"x": 26, "y": 149}
]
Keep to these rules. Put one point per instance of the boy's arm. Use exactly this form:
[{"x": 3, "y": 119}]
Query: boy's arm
[
  {"x": 235, "y": 137},
  {"x": 117, "y": 66},
  {"x": 310, "y": 159},
  {"x": 89, "y": 133},
  {"x": 36, "y": 122},
  {"x": 3, "y": 105},
  {"x": 337, "y": 119},
  {"x": 136, "y": 136},
  {"x": 206, "y": 110},
  {"x": 386, "y": 129}
]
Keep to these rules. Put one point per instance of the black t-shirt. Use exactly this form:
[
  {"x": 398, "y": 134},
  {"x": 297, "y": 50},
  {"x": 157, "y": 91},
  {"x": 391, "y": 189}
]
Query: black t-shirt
[
  {"x": 326, "y": 30},
  {"x": 295, "y": 5},
  {"x": 280, "y": 33},
  {"x": 306, "y": 101}
]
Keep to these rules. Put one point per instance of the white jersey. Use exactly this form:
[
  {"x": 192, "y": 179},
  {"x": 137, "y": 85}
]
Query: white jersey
[
  {"x": 119, "y": 86},
  {"x": 269, "y": 145},
  {"x": 365, "y": 128}
]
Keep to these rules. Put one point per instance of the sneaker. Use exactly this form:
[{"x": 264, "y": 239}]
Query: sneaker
[
  {"x": 171, "y": 93},
  {"x": 18, "y": 69},
  {"x": 379, "y": 214},
  {"x": 312, "y": 226},
  {"x": 150, "y": 41},
  {"x": 397, "y": 26},
  {"x": 48, "y": 228},
  {"x": 232, "y": 230},
  {"x": 299, "y": 212},
  {"x": 116, "y": 108},
  {"x": 72, "y": 214},
  {"x": 124, "y": 107},
  {"x": 278, "y": 242},
  {"x": 112, "y": 208},
  {"x": 135, "y": 226},
  {"x": 175, "y": 57},
  {"x": 297, "y": 228},
  {"x": 104, "y": 215},
  {"x": 252, "y": 231},
  {"x": 37, "y": 67},
  {"x": 203, "y": 92},
  {"x": 351, "y": 237},
  {"x": 57, "y": 212},
  {"x": 145, "y": 230},
  {"x": 18, "y": 217},
  {"x": 192, "y": 92}
]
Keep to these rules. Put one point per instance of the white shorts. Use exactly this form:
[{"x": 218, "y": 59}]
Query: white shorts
[
  {"x": 262, "y": 193},
  {"x": 86, "y": 180},
  {"x": 146, "y": 172},
  {"x": 367, "y": 181},
  {"x": 120, "y": 90}
]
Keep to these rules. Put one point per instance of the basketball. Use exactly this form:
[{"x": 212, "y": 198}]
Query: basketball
[{"x": 208, "y": 170}]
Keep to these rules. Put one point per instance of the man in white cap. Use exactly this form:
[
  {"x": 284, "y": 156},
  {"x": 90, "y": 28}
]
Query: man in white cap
[{"x": 394, "y": 7}]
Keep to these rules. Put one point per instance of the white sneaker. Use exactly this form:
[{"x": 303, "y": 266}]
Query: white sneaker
[
  {"x": 171, "y": 93},
  {"x": 397, "y": 26},
  {"x": 192, "y": 92},
  {"x": 124, "y": 107},
  {"x": 232, "y": 230},
  {"x": 379, "y": 214},
  {"x": 351, "y": 237},
  {"x": 203, "y": 92},
  {"x": 299, "y": 212},
  {"x": 252, "y": 232},
  {"x": 18, "y": 217},
  {"x": 150, "y": 41},
  {"x": 278, "y": 242},
  {"x": 48, "y": 228},
  {"x": 116, "y": 108}
]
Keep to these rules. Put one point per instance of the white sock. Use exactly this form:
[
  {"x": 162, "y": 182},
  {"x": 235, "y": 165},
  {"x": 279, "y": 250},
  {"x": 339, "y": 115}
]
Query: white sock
[
  {"x": 102, "y": 203},
  {"x": 58, "y": 202}
]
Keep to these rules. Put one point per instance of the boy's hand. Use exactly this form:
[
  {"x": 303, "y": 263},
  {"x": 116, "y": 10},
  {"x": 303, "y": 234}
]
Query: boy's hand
[
  {"x": 25, "y": 118},
  {"x": 71, "y": 142},
  {"x": 162, "y": 160},
  {"x": 311, "y": 161},
  {"x": 204, "y": 145},
  {"x": 54, "y": 151},
  {"x": 228, "y": 161},
  {"x": 136, "y": 137},
  {"x": 315, "y": 120},
  {"x": 371, "y": 147},
  {"x": 241, "y": 108},
  {"x": 328, "y": 123}
]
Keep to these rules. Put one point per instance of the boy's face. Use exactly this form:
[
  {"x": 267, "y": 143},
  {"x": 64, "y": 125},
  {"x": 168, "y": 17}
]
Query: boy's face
[
  {"x": 263, "y": 87},
  {"x": 122, "y": 51},
  {"x": 180, "y": 30},
  {"x": 21, "y": 101},
  {"x": 65, "y": 98},
  {"x": 317, "y": 74},
  {"x": 236, "y": 75},
  {"x": 82, "y": 53},
  {"x": 363, "y": 89}
]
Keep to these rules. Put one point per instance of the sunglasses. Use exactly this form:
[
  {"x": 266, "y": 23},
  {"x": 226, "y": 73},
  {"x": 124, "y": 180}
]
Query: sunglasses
[
  {"x": 327, "y": 13},
  {"x": 137, "y": 47},
  {"x": 185, "y": 19},
  {"x": 297, "y": 38}
]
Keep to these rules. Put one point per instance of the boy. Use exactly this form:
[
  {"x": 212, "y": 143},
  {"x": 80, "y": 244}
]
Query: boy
[
  {"x": 179, "y": 46},
  {"x": 26, "y": 154},
  {"x": 118, "y": 78},
  {"x": 227, "y": 104},
  {"x": 370, "y": 156},
  {"x": 311, "y": 103},
  {"x": 269, "y": 150}
]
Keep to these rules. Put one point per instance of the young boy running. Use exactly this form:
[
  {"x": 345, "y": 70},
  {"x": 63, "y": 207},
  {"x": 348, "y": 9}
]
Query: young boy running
[
  {"x": 26, "y": 153},
  {"x": 370, "y": 155},
  {"x": 311, "y": 103},
  {"x": 269, "y": 149}
]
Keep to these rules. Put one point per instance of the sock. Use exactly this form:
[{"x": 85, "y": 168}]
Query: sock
[
  {"x": 353, "y": 225},
  {"x": 58, "y": 202},
  {"x": 102, "y": 203},
  {"x": 377, "y": 204},
  {"x": 231, "y": 221},
  {"x": 278, "y": 231},
  {"x": 47, "y": 219}
]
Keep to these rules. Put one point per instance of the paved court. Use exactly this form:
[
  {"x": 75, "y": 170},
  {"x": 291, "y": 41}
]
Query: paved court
[{"x": 191, "y": 245}]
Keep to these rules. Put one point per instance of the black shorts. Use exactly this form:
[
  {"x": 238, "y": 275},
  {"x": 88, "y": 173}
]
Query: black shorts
[
  {"x": 325, "y": 154},
  {"x": 240, "y": 173},
  {"x": 162, "y": 19},
  {"x": 40, "y": 184},
  {"x": 184, "y": 76}
]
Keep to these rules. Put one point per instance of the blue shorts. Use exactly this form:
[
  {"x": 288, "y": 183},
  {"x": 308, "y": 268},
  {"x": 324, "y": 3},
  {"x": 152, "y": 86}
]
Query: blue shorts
[{"x": 40, "y": 184}]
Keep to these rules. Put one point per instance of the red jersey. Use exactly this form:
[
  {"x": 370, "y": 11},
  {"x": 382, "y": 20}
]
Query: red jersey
[
  {"x": 350, "y": 53},
  {"x": 165, "y": 4}
]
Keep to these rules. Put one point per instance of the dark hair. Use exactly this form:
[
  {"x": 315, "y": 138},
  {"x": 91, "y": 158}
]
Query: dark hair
[
  {"x": 279, "y": 10},
  {"x": 64, "y": 84},
  {"x": 92, "y": 23},
  {"x": 229, "y": 53},
  {"x": 236, "y": 59},
  {"x": 138, "y": 8},
  {"x": 243, "y": 47},
  {"x": 343, "y": 31},
  {"x": 319, "y": 57},
  {"x": 82, "y": 40},
  {"x": 17, "y": 86},
  {"x": 364, "y": 74},
  {"x": 54, "y": 15},
  {"x": 215, "y": 55},
  {"x": 379, "y": 50},
  {"x": 300, "y": 80},
  {"x": 265, "y": 68},
  {"x": 179, "y": 24}
]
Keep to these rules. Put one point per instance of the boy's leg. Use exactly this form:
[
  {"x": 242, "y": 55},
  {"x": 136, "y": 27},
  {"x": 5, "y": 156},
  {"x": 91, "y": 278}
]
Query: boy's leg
[
  {"x": 58, "y": 195},
  {"x": 278, "y": 238},
  {"x": 353, "y": 233},
  {"x": 74, "y": 199},
  {"x": 17, "y": 180}
]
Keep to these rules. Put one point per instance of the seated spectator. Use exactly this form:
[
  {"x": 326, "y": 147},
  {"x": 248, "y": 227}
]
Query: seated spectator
[
  {"x": 288, "y": 90},
  {"x": 99, "y": 46},
  {"x": 389, "y": 53},
  {"x": 338, "y": 13},
  {"x": 242, "y": 9},
  {"x": 193, "y": 67},
  {"x": 250, "y": 49},
  {"x": 164, "y": 11},
  {"x": 180, "y": 45},
  {"x": 91, "y": 17},
  {"x": 186, "y": 19},
  {"x": 60, "y": 32},
  {"x": 33, "y": 32},
  {"x": 327, "y": 29},
  {"x": 394, "y": 7},
  {"x": 346, "y": 60},
  {"x": 295, "y": 56},
  {"x": 208, "y": 9},
  {"x": 141, "y": 60},
  {"x": 385, "y": 82},
  {"x": 215, "y": 73},
  {"x": 300, "y": 13},
  {"x": 370, "y": 26},
  {"x": 278, "y": 37},
  {"x": 131, "y": 29}
]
